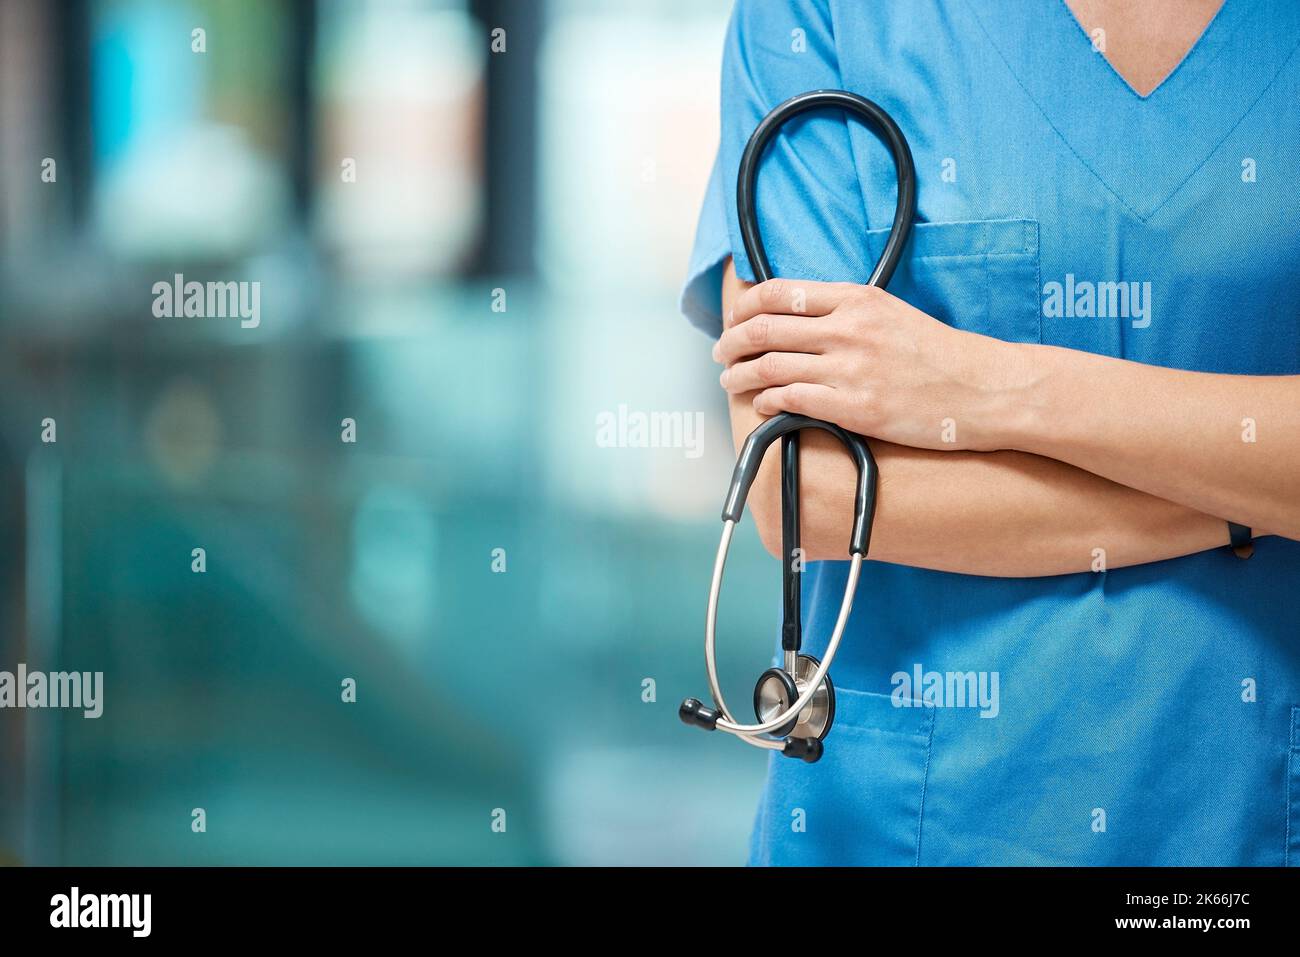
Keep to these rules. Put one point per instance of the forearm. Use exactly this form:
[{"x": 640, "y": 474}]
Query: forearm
[
  {"x": 1003, "y": 513},
  {"x": 981, "y": 513},
  {"x": 1222, "y": 444}
]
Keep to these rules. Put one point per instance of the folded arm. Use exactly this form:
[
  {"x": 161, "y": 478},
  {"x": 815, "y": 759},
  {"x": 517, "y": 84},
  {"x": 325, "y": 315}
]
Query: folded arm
[{"x": 1002, "y": 513}]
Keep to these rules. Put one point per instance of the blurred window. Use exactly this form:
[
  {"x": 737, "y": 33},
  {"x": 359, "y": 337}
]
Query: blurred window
[
  {"x": 29, "y": 126},
  {"x": 399, "y": 112},
  {"x": 629, "y": 127},
  {"x": 189, "y": 128},
  {"x": 629, "y": 107}
]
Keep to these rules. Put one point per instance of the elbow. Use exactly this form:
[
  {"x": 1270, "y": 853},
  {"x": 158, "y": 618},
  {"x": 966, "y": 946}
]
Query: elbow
[{"x": 765, "y": 508}]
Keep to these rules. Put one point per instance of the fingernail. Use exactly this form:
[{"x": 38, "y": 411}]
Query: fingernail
[
  {"x": 715, "y": 353},
  {"x": 722, "y": 379}
]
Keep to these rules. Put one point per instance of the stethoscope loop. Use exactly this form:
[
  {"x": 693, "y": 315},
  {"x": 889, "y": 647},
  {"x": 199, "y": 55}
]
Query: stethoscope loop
[
  {"x": 873, "y": 115},
  {"x": 741, "y": 480},
  {"x": 785, "y": 424},
  {"x": 796, "y": 727}
]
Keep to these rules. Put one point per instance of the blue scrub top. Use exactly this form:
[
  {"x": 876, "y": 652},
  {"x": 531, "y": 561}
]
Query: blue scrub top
[{"x": 1146, "y": 715}]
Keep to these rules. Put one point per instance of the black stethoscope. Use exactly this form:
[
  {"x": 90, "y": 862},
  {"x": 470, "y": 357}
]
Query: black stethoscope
[{"x": 795, "y": 703}]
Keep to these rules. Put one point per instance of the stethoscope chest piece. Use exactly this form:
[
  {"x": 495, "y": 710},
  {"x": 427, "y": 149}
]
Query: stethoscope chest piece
[{"x": 776, "y": 691}]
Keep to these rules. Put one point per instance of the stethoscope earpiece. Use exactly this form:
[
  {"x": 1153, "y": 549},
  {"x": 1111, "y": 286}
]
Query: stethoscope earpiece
[
  {"x": 694, "y": 713},
  {"x": 805, "y": 749},
  {"x": 795, "y": 704}
]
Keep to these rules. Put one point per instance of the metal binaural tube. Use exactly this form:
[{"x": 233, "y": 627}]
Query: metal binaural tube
[{"x": 728, "y": 721}]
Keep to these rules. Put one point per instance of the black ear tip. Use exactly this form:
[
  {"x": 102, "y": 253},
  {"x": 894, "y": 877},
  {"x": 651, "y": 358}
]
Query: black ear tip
[
  {"x": 806, "y": 749},
  {"x": 693, "y": 712}
]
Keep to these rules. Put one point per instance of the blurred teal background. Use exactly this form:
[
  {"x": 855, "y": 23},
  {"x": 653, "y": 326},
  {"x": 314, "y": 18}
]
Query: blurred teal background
[{"x": 565, "y": 174}]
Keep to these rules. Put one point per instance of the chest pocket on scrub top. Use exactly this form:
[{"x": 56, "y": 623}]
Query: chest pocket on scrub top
[{"x": 979, "y": 276}]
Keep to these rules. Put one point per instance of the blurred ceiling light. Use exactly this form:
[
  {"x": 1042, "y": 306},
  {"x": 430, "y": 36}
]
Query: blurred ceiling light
[
  {"x": 183, "y": 432},
  {"x": 189, "y": 161},
  {"x": 201, "y": 192}
]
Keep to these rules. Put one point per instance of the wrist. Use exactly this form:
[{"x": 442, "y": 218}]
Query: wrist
[{"x": 1022, "y": 397}]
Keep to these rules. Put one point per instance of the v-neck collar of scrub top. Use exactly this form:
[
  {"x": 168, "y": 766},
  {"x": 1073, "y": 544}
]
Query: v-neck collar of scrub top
[{"x": 1142, "y": 149}]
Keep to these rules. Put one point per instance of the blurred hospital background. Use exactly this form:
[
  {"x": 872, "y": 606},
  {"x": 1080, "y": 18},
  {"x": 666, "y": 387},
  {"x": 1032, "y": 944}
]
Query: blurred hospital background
[{"x": 392, "y": 183}]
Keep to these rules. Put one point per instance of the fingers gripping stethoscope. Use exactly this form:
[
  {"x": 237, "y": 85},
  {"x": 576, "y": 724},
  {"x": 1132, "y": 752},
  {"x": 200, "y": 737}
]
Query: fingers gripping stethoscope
[{"x": 795, "y": 703}]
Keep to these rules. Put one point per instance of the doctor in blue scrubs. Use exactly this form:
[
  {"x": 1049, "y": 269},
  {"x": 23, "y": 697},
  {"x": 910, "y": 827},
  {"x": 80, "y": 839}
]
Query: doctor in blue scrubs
[{"x": 1078, "y": 638}]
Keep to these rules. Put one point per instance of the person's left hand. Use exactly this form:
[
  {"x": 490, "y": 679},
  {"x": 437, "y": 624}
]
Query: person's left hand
[{"x": 869, "y": 362}]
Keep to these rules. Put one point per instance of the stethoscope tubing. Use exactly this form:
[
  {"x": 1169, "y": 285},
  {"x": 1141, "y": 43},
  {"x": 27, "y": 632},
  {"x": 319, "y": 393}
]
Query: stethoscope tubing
[
  {"x": 788, "y": 426},
  {"x": 860, "y": 106}
]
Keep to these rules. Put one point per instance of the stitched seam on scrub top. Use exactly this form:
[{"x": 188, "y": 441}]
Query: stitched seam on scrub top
[
  {"x": 925, "y": 781},
  {"x": 933, "y": 256},
  {"x": 1038, "y": 282},
  {"x": 1291, "y": 770},
  {"x": 1048, "y": 120},
  {"x": 1219, "y": 145},
  {"x": 1088, "y": 166}
]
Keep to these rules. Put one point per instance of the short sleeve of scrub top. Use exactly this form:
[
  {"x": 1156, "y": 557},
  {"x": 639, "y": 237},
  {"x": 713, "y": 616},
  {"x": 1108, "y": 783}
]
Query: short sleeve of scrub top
[
  {"x": 1144, "y": 715},
  {"x": 810, "y": 202}
]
